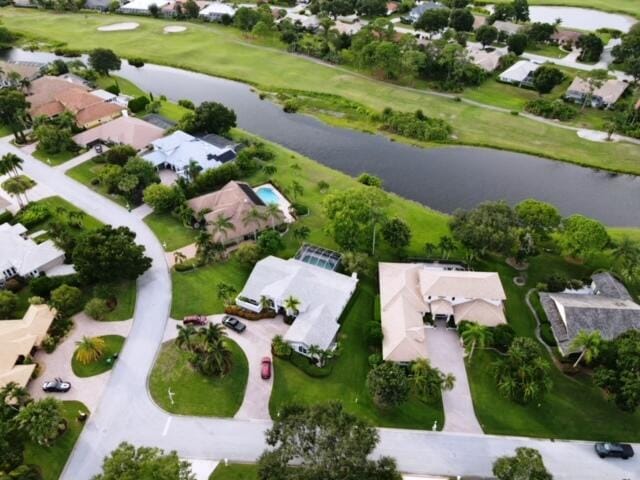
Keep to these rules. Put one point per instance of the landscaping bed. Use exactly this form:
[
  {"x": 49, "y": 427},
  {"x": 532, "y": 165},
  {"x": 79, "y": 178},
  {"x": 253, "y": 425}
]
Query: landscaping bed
[
  {"x": 194, "y": 393},
  {"x": 113, "y": 345}
]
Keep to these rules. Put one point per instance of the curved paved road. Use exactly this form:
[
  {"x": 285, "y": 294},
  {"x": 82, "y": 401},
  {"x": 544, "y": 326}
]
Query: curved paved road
[{"x": 127, "y": 413}]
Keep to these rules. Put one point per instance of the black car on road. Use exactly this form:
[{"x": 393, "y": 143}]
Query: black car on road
[
  {"x": 234, "y": 324},
  {"x": 618, "y": 450},
  {"x": 56, "y": 385}
]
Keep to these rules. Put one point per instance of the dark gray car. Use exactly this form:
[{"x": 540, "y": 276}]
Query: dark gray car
[
  {"x": 234, "y": 324},
  {"x": 617, "y": 450}
]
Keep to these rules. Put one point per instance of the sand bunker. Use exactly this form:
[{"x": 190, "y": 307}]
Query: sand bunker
[
  {"x": 596, "y": 136},
  {"x": 118, "y": 27},
  {"x": 174, "y": 29}
]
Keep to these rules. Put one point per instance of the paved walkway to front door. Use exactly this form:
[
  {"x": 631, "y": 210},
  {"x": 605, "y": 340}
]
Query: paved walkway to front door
[{"x": 446, "y": 353}]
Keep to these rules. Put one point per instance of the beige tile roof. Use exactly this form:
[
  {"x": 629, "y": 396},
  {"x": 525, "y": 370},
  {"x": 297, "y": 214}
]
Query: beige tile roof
[
  {"x": 124, "y": 130},
  {"x": 610, "y": 91},
  {"x": 18, "y": 338},
  {"x": 404, "y": 291},
  {"x": 232, "y": 201}
]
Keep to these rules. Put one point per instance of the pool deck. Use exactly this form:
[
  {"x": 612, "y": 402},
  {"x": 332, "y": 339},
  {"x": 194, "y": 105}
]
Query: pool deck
[{"x": 283, "y": 203}]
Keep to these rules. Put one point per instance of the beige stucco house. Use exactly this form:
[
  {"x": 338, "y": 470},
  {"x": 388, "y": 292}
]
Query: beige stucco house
[{"x": 409, "y": 292}]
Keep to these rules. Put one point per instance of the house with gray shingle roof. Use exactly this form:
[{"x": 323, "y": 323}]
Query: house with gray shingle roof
[{"x": 607, "y": 307}]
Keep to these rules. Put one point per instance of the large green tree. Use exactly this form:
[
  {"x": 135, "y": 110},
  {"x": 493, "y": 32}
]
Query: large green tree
[
  {"x": 67, "y": 300},
  {"x": 388, "y": 385},
  {"x": 213, "y": 117},
  {"x": 41, "y": 420},
  {"x": 8, "y": 304},
  {"x": 537, "y": 217},
  {"x": 396, "y": 233},
  {"x": 324, "y": 442},
  {"x": 546, "y": 77},
  {"x": 109, "y": 254},
  {"x": 103, "y": 60},
  {"x": 527, "y": 464},
  {"x": 144, "y": 463},
  {"x": 13, "y": 112},
  {"x": 619, "y": 372},
  {"x": 591, "y": 47},
  {"x": 354, "y": 215},
  {"x": 489, "y": 227},
  {"x": 433, "y": 20},
  {"x": 582, "y": 236}
]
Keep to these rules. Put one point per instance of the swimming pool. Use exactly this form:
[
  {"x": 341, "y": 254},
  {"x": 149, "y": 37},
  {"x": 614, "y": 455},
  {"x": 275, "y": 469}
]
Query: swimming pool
[{"x": 268, "y": 195}]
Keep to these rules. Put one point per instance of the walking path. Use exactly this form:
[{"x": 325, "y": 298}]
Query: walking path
[
  {"x": 87, "y": 390},
  {"x": 126, "y": 413},
  {"x": 446, "y": 353}
]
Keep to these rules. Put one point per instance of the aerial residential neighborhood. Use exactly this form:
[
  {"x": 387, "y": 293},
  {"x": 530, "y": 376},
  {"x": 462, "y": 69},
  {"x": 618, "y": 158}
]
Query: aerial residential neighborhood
[{"x": 319, "y": 239}]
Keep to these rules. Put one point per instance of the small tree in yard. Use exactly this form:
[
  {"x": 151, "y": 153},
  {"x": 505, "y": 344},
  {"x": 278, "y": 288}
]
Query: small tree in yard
[
  {"x": 8, "y": 304},
  {"x": 90, "y": 349},
  {"x": 475, "y": 336},
  {"x": 388, "y": 385},
  {"x": 396, "y": 233},
  {"x": 213, "y": 117},
  {"x": 591, "y": 47},
  {"x": 590, "y": 344},
  {"x": 41, "y": 421},
  {"x": 527, "y": 464},
  {"x": 427, "y": 381},
  {"x": 67, "y": 300},
  {"x": 523, "y": 373},
  {"x": 582, "y": 236},
  {"x": 322, "y": 442},
  {"x": 162, "y": 197},
  {"x": 129, "y": 462},
  {"x": 486, "y": 34},
  {"x": 517, "y": 43},
  {"x": 103, "y": 60},
  {"x": 546, "y": 77},
  {"x": 97, "y": 308},
  {"x": 226, "y": 293}
]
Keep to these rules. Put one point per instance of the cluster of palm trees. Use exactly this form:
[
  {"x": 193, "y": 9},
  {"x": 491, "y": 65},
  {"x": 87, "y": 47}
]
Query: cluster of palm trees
[
  {"x": 207, "y": 349},
  {"x": 445, "y": 247},
  {"x": 427, "y": 382},
  {"x": 626, "y": 258},
  {"x": 17, "y": 184}
]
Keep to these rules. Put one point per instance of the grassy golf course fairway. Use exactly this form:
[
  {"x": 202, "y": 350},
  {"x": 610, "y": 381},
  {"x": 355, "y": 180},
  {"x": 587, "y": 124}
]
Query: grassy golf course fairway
[{"x": 226, "y": 52}]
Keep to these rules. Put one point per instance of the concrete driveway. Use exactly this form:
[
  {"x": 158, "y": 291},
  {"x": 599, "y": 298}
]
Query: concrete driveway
[
  {"x": 255, "y": 342},
  {"x": 58, "y": 363},
  {"x": 446, "y": 353}
]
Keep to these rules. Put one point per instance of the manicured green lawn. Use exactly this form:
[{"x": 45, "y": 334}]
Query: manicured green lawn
[
  {"x": 170, "y": 231},
  {"x": 547, "y": 50},
  {"x": 51, "y": 460},
  {"x": 226, "y": 52},
  {"x": 54, "y": 158},
  {"x": 125, "y": 293},
  {"x": 57, "y": 207},
  {"x": 346, "y": 382},
  {"x": 194, "y": 292},
  {"x": 235, "y": 471},
  {"x": 86, "y": 172},
  {"x": 194, "y": 393},
  {"x": 113, "y": 345}
]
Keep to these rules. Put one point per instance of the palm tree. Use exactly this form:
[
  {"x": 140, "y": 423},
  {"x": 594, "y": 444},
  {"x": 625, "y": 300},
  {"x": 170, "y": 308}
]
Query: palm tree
[
  {"x": 291, "y": 305},
  {"x": 301, "y": 233},
  {"x": 427, "y": 381},
  {"x": 212, "y": 355},
  {"x": 265, "y": 303},
  {"x": 627, "y": 258},
  {"x": 273, "y": 213},
  {"x": 222, "y": 225},
  {"x": 179, "y": 257},
  {"x": 10, "y": 164},
  {"x": 473, "y": 336},
  {"x": 90, "y": 349},
  {"x": 253, "y": 215},
  {"x": 16, "y": 189},
  {"x": 185, "y": 214},
  {"x": 185, "y": 336},
  {"x": 269, "y": 170},
  {"x": 314, "y": 352},
  {"x": 14, "y": 396},
  {"x": 589, "y": 343},
  {"x": 446, "y": 246},
  {"x": 296, "y": 189},
  {"x": 430, "y": 249},
  {"x": 203, "y": 241},
  {"x": 200, "y": 214}
]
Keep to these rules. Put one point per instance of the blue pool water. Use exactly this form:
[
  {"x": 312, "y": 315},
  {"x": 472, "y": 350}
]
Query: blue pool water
[{"x": 267, "y": 195}]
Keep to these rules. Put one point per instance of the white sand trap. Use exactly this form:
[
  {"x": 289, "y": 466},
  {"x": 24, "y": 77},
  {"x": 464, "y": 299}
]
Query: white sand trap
[
  {"x": 595, "y": 135},
  {"x": 118, "y": 27},
  {"x": 174, "y": 29}
]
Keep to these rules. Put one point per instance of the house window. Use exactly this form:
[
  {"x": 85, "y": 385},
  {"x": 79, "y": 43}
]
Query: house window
[
  {"x": 302, "y": 349},
  {"x": 453, "y": 299}
]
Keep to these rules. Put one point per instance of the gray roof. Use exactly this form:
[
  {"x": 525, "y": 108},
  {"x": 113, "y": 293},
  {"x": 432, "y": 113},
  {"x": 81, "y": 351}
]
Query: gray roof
[
  {"x": 606, "y": 284},
  {"x": 610, "y": 315}
]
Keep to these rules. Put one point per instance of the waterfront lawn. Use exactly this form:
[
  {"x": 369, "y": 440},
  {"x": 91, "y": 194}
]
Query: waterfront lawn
[
  {"x": 346, "y": 382},
  {"x": 235, "y": 471},
  {"x": 227, "y": 52},
  {"x": 54, "y": 159},
  {"x": 51, "y": 460},
  {"x": 194, "y": 393},
  {"x": 113, "y": 345},
  {"x": 170, "y": 230}
]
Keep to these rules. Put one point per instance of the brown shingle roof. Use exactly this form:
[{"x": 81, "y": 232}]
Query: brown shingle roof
[{"x": 97, "y": 112}]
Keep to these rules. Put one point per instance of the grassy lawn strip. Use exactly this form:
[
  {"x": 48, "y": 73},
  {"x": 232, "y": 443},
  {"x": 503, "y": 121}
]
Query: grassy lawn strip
[
  {"x": 86, "y": 172},
  {"x": 227, "y": 53},
  {"x": 347, "y": 380},
  {"x": 54, "y": 203},
  {"x": 170, "y": 231},
  {"x": 54, "y": 158},
  {"x": 235, "y": 471},
  {"x": 125, "y": 293},
  {"x": 195, "y": 394},
  {"x": 113, "y": 345},
  {"x": 51, "y": 460}
]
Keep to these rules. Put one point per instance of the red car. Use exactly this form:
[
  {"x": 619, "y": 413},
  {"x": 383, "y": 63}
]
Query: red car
[
  {"x": 265, "y": 370},
  {"x": 195, "y": 320}
]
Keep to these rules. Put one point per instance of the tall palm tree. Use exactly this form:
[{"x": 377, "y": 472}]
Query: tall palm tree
[
  {"x": 446, "y": 246},
  {"x": 253, "y": 216},
  {"x": 590, "y": 343},
  {"x": 222, "y": 225},
  {"x": 186, "y": 334},
  {"x": 291, "y": 305},
  {"x": 314, "y": 352},
  {"x": 627, "y": 258},
  {"x": 265, "y": 303},
  {"x": 430, "y": 249},
  {"x": 90, "y": 349},
  {"x": 11, "y": 164},
  {"x": 475, "y": 335},
  {"x": 16, "y": 189},
  {"x": 301, "y": 233},
  {"x": 203, "y": 241},
  {"x": 273, "y": 213}
]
